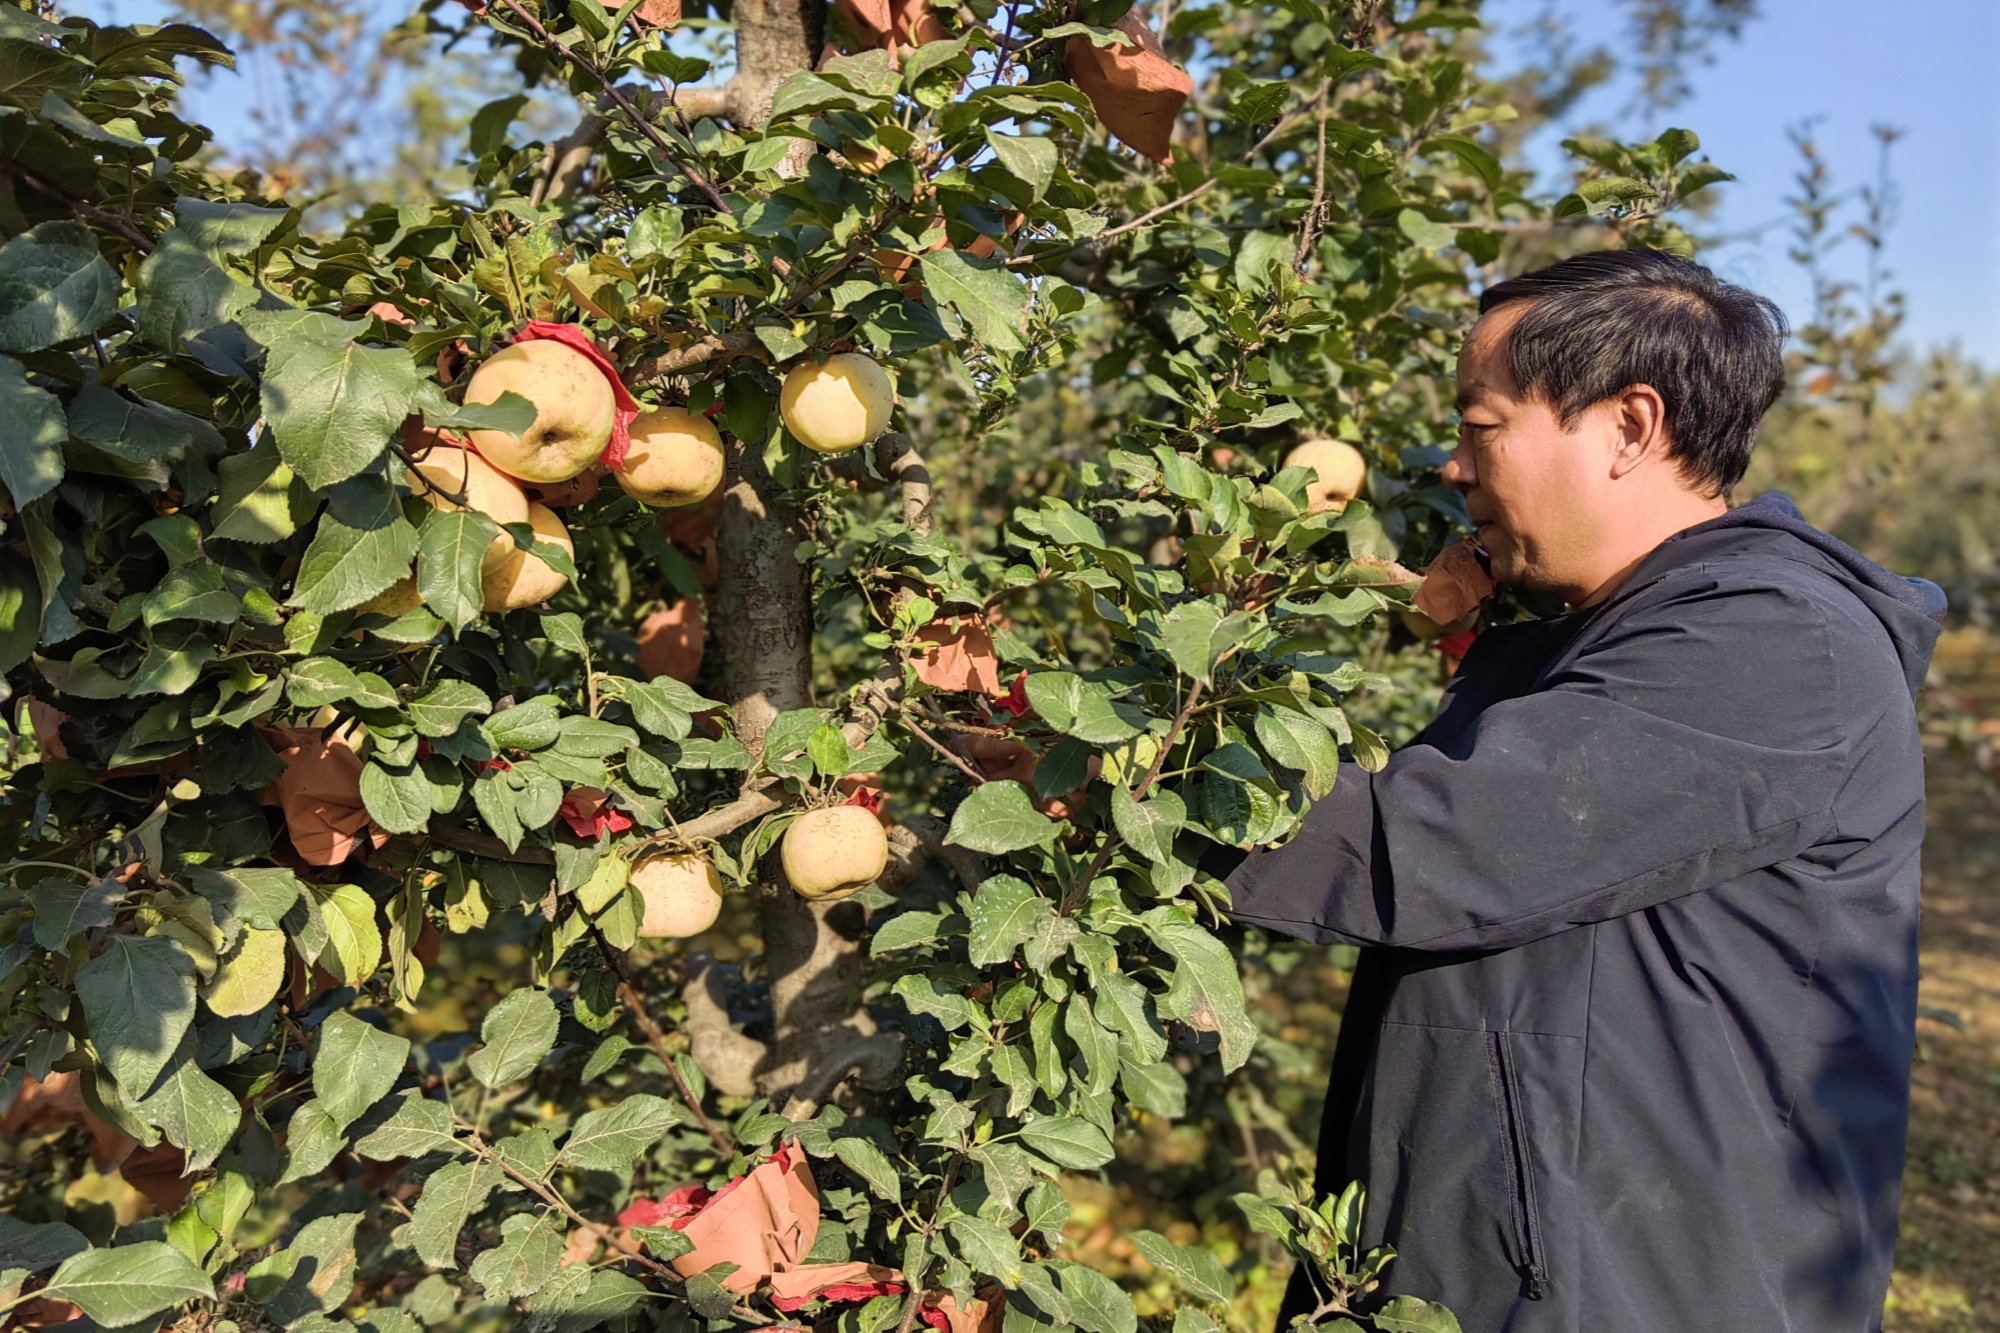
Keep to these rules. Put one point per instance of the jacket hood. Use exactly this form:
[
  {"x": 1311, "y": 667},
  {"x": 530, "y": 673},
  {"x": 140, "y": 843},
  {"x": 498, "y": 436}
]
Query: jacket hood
[{"x": 1911, "y": 610}]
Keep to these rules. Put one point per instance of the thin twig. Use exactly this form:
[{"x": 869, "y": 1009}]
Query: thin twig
[
  {"x": 623, "y": 103},
  {"x": 20, "y": 1040},
  {"x": 1315, "y": 219},
  {"x": 635, "y": 1005},
  {"x": 1082, "y": 886},
  {"x": 978, "y": 778},
  {"x": 1284, "y": 126},
  {"x": 133, "y": 237}
]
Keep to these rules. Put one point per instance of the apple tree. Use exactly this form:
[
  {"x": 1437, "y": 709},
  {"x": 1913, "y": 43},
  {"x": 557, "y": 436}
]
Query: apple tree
[{"x": 362, "y": 915}]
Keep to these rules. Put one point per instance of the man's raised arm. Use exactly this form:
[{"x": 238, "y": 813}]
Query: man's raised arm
[{"x": 1699, "y": 740}]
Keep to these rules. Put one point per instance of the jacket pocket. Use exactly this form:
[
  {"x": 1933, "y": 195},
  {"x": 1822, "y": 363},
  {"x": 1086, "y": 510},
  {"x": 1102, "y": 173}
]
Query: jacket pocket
[{"x": 1515, "y": 1140}]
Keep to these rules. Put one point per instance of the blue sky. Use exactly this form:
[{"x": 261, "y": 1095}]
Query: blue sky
[{"x": 1924, "y": 66}]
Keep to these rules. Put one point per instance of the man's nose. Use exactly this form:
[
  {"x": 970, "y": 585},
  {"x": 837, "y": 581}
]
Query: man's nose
[{"x": 1460, "y": 472}]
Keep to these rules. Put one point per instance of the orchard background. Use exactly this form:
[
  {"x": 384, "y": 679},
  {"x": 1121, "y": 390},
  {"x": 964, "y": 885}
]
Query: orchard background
[{"x": 322, "y": 991}]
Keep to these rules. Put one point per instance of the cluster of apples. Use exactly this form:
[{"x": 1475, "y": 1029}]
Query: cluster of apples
[
  {"x": 674, "y": 458},
  {"x": 827, "y": 855}
]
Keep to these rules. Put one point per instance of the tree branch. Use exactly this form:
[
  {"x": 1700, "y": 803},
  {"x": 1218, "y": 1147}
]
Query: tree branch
[
  {"x": 485, "y": 844},
  {"x": 965, "y": 864},
  {"x": 727, "y": 1058},
  {"x": 709, "y": 347},
  {"x": 702, "y": 103},
  {"x": 875, "y": 1058},
  {"x": 750, "y": 805},
  {"x": 562, "y": 174}
]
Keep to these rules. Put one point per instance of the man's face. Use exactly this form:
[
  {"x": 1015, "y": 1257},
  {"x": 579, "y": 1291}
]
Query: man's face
[{"x": 1531, "y": 486}]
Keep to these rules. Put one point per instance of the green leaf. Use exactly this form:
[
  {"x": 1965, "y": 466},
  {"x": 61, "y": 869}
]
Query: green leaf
[
  {"x": 419, "y": 1125},
  {"x": 127, "y": 1283},
  {"x": 139, "y": 998},
  {"x": 1082, "y": 708},
  {"x": 1006, "y": 913},
  {"x": 525, "y": 726},
  {"x": 197, "y": 1114},
  {"x": 924, "y": 995},
  {"x": 1068, "y": 1141},
  {"x": 998, "y": 818},
  {"x": 1261, "y": 103},
  {"x": 20, "y": 611},
  {"x": 32, "y": 432},
  {"x": 1096, "y": 1303},
  {"x": 1149, "y": 827},
  {"x": 259, "y": 497},
  {"x": 1199, "y": 1272},
  {"x": 65, "y": 905},
  {"x": 1300, "y": 742},
  {"x": 1198, "y": 636},
  {"x": 528, "y": 1255},
  {"x": 439, "y": 710},
  {"x": 31, "y": 70},
  {"x": 1064, "y": 769},
  {"x": 1206, "y": 992},
  {"x": 184, "y": 288},
  {"x": 990, "y": 298},
  {"x": 257, "y": 895},
  {"x": 1158, "y": 1088},
  {"x": 1424, "y": 232},
  {"x": 613, "y": 1139},
  {"x": 989, "y": 1247},
  {"x": 54, "y": 286},
  {"x": 362, "y": 546},
  {"x": 829, "y": 752},
  {"x": 333, "y": 406},
  {"x": 1126, "y": 1007},
  {"x": 356, "y": 1066},
  {"x": 1032, "y": 161},
  {"x": 248, "y": 977},
  {"x": 518, "y": 1032},
  {"x": 311, "y": 1143},
  {"x": 1476, "y": 158},
  {"x": 312, "y": 1275},
  {"x": 906, "y": 931},
  {"x": 399, "y": 799},
  {"x": 1371, "y": 752},
  {"x": 1407, "y": 1314},
  {"x": 451, "y": 548},
  {"x": 451, "y": 1196},
  {"x": 866, "y": 1160},
  {"x": 32, "y": 1246},
  {"x": 354, "y": 938}
]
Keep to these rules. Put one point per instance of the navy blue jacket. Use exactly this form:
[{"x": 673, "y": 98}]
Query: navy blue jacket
[{"x": 1629, "y": 1045}]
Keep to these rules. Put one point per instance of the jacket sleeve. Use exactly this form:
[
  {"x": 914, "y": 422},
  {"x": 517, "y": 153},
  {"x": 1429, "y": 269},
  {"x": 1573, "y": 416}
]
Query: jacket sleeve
[{"x": 1699, "y": 738}]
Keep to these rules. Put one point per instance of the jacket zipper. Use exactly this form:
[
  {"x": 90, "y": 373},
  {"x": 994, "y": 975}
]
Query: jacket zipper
[{"x": 1520, "y": 1168}]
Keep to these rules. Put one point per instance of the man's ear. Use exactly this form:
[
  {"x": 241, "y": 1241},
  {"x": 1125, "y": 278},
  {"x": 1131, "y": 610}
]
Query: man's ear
[{"x": 1641, "y": 422}]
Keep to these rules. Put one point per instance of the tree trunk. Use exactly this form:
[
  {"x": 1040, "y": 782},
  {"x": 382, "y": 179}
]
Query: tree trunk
[{"x": 812, "y": 952}]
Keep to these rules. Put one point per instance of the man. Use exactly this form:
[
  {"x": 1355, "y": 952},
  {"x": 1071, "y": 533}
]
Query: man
[{"x": 1629, "y": 1045}]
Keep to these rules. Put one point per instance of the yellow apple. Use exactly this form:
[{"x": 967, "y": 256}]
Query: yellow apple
[
  {"x": 831, "y": 854},
  {"x": 575, "y": 410},
  {"x": 444, "y": 473},
  {"x": 399, "y": 598},
  {"x": 683, "y": 895},
  {"x": 675, "y": 459},
  {"x": 525, "y": 578},
  {"x": 838, "y": 404},
  {"x": 1342, "y": 473}
]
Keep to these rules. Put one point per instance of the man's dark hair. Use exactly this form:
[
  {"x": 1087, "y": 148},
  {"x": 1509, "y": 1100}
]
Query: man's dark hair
[{"x": 1600, "y": 323}]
